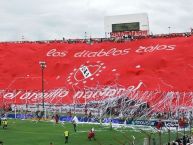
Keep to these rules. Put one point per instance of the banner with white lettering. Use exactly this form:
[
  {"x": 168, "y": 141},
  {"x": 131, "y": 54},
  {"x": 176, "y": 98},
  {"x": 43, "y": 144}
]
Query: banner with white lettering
[
  {"x": 80, "y": 72},
  {"x": 128, "y": 33}
]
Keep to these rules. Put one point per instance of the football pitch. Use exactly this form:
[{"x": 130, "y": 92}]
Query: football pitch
[{"x": 28, "y": 132}]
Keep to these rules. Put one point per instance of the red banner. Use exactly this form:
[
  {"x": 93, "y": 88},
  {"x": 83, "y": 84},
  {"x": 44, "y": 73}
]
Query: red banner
[
  {"x": 79, "y": 72},
  {"x": 129, "y": 33}
]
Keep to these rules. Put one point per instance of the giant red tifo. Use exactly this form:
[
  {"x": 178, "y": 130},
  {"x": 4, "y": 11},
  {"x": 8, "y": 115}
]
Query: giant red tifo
[{"x": 157, "y": 71}]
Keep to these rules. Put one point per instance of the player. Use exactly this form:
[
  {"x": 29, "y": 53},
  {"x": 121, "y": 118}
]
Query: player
[
  {"x": 4, "y": 123},
  {"x": 74, "y": 125},
  {"x": 56, "y": 117},
  {"x": 74, "y": 122},
  {"x": 91, "y": 134},
  {"x": 66, "y": 135}
]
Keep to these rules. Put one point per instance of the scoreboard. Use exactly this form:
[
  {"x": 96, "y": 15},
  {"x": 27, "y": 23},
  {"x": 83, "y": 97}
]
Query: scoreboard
[
  {"x": 121, "y": 27},
  {"x": 126, "y": 23}
]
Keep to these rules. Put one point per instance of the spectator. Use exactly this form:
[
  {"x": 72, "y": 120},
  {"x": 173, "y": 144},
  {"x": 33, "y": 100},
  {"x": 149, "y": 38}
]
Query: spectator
[
  {"x": 184, "y": 140},
  {"x": 154, "y": 142},
  {"x": 1, "y": 143}
]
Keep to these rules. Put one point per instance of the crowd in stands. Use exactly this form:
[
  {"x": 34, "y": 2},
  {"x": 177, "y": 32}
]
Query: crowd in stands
[
  {"x": 185, "y": 140},
  {"x": 125, "y": 38}
]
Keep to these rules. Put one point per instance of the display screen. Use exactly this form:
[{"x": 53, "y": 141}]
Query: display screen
[{"x": 125, "y": 27}]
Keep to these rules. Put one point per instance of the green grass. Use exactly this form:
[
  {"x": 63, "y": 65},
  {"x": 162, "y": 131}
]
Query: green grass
[{"x": 27, "y": 132}]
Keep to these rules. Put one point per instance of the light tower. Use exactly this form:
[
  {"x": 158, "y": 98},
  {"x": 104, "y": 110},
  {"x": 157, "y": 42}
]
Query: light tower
[
  {"x": 169, "y": 29},
  {"x": 43, "y": 66}
]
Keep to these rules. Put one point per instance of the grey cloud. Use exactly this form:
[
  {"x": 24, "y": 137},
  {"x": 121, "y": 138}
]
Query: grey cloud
[{"x": 48, "y": 19}]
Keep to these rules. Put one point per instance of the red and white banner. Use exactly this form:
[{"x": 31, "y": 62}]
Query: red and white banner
[
  {"x": 129, "y": 33},
  {"x": 94, "y": 72}
]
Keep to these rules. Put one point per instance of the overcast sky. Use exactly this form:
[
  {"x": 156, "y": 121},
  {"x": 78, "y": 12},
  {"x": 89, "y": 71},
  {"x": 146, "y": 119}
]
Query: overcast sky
[{"x": 54, "y": 19}]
